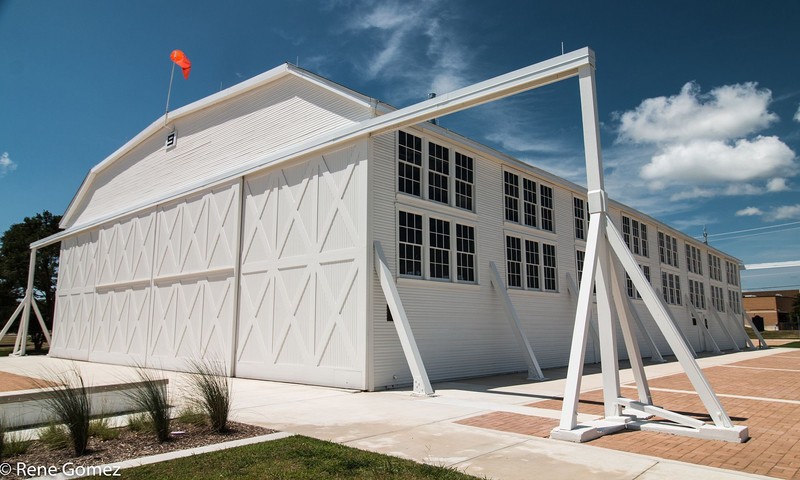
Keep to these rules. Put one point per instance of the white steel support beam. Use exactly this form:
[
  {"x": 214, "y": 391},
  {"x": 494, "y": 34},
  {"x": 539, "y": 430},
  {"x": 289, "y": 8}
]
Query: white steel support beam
[
  {"x": 583, "y": 313},
  {"x": 534, "y": 371},
  {"x": 629, "y": 336},
  {"x": 670, "y": 331},
  {"x": 604, "y": 243},
  {"x": 724, "y": 327},
  {"x": 22, "y": 332},
  {"x": 572, "y": 289},
  {"x": 11, "y": 319},
  {"x": 761, "y": 342},
  {"x": 422, "y": 386},
  {"x": 655, "y": 353}
]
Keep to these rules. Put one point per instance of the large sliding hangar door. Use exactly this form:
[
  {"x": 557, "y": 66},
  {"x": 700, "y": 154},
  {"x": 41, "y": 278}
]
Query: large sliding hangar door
[
  {"x": 154, "y": 289},
  {"x": 302, "y": 313},
  {"x": 160, "y": 288}
]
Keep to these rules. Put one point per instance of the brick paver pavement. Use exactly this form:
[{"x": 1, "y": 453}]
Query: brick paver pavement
[
  {"x": 774, "y": 445},
  {"x": 11, "y": 382}
]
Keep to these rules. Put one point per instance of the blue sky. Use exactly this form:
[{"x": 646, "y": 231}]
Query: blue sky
[{"x": 699, "y": 101}]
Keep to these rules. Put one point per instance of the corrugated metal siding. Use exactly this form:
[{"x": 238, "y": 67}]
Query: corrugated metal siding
[{"x": 245, "y": 128}]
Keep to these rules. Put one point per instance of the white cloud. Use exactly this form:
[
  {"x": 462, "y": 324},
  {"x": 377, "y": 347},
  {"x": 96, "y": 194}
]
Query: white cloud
[
  {"x": 749, "y": 212},
  {"x": 411, "y": 43},
  {"x": 714, "y": 161},
  {"x": 786, "y": 212},
  {"x": 797, "y": 115},
  {"x": 6, "y": 164},
  {"x": 777, "y": 185},
  {"x": 525, "y": 143},
  {"x": 726, "y": 112},
  {"x": 732, "y": 190}
]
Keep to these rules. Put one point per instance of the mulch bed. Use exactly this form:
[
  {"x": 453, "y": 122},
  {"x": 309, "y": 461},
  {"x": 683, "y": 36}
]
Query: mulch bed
[{"x": 131, "y": 445}]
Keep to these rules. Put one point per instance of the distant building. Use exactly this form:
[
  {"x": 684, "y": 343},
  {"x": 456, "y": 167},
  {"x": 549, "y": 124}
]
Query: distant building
[{"x": 773, "y": 306}]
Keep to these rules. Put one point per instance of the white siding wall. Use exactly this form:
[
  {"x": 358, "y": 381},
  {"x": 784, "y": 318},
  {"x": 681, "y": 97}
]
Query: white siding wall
[
  {"x": 242, "y": 129},
  {"x": 460, "y": 329},
  {"x": 303, "y": 275}
]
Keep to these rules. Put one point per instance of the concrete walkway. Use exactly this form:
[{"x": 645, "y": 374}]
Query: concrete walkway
[{"x": 425, "y": 429}]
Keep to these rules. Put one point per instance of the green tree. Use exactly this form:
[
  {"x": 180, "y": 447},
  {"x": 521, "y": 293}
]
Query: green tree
[{"x": 14, "y": 259}]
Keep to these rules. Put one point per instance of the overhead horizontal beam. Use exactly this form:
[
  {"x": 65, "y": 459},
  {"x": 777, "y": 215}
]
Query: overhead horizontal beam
[{"x": 518, "y": 81}]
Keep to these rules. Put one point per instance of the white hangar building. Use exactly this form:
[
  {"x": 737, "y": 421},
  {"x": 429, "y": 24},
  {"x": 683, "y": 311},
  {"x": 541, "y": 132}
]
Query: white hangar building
[{"x": 203, "y": 238}]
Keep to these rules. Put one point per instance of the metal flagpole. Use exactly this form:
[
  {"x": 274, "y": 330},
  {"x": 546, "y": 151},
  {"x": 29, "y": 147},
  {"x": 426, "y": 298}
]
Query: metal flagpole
[{"x": 169, "y": 92}]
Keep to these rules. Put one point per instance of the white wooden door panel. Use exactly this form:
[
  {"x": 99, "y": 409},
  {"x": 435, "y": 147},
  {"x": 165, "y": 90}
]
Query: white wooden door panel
[{"x": 301, "y": 303}]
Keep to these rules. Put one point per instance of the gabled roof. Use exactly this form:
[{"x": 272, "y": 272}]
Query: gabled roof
[{"x": 215, "y": 99}]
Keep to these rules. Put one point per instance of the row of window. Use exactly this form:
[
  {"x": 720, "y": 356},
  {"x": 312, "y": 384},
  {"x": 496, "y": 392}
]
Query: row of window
[
  {"x": 536, "y": 212},
  {"x": 440, "y": 181},
  {"x": 530, "y": 264},
  {"x": 533, "y": 261},
  {"x": 694, "y": 260},
  {"x": 697, "y": 294},
  {"x": 634, "y": 233},
  {"x": 448, "y": 177},
  {"x": 433, "y": 261},
  {"x": 668, "y": 249}
]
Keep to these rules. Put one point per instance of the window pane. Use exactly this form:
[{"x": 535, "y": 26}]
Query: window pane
[
  {"x": 529, "y": 202},
  {"x": 514, "y": 261},
  {"x": 549, "y": 263},
  {"x": 439, "y": 248},
  {"x": 580, "y": 216},
  {"x": 546, "y": 198},
  {"x": 532, "y": 265},
  {"x": 464, "y": 175},
  {"x": 511, "y": 185},
  {"x": 438, "y": 173},
  {"x": 409, "y": 166},
  {"x": 409, "y": 251},
  {"x": 465, "y": 248}
]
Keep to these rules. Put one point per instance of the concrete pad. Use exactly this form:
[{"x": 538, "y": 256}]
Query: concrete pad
[
  {"x": 547, "y": 459},
  {"x": 437, "y": 444},
  {"x": 667, "y": 470}
]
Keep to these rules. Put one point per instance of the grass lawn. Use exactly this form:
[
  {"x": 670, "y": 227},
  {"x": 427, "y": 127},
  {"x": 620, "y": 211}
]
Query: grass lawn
[{"x": 295, "y": 457}]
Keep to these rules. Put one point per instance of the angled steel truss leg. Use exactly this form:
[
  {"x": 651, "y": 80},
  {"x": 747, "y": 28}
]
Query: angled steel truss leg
[
  {"x": 534, "y": 371},
  {"x": 761, "y": 342},
  {"x": 604, "y": 246},
  {"x": 655, "y": 353},
  {"x": 28, "y": 303},
  {"x": 572, "y": 289},
  {"x": 422, "y": 386},
  {"x": 724, "y": 328}
]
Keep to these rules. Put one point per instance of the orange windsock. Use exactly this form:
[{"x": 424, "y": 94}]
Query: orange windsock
[{"x": 182, "y": 61}]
